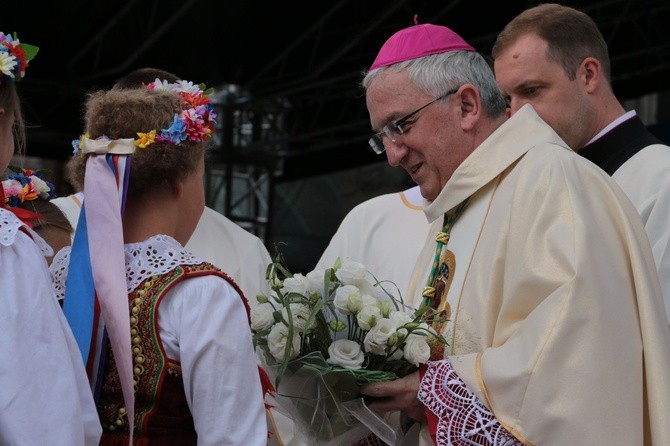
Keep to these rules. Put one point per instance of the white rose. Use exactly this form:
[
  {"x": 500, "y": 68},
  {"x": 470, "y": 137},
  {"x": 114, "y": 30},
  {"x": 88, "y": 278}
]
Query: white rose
[
  {"x": 300, "y": 315},
  {"x": 377, "y": 338},
  {"x": 416, "y": 350},
  {"x": 348, "y": 299},
  {"x": 351, "y": 273},
  {"x": 296, "y": 284},
  {"x": 277, "y": 339},
  {"x": 368, "y": 316},
  {"x": 345, "y": 353},
  {"x": 262, "y": 317}
]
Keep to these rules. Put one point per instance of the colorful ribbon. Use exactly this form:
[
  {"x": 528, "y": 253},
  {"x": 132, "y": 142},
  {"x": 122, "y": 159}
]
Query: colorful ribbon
[{"x": 97, "y": 270}]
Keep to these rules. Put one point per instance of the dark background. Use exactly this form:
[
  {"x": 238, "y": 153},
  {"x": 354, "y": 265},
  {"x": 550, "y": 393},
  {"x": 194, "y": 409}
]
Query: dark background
[
  {"x": 288, "y": 74},
  {"x": 308, "y": 55}
]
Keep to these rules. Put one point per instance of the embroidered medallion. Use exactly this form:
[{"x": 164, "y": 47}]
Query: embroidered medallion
[{"x": 443, "y": 279}]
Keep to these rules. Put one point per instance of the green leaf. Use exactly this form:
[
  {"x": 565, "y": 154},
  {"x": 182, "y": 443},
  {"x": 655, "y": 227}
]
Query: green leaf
[{"x": 31, "y": 50}]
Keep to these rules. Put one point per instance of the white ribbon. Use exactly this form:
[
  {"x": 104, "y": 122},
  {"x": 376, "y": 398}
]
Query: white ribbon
[{"x": 123, "y": 146}]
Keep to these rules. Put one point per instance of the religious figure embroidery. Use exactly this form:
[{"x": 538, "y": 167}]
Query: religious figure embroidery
[{"x": 445, "y": 275}]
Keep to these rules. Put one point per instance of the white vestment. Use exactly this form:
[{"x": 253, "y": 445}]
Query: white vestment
[
  {"x": 645, "y": 178},
  {"x": 557, "y": 321},
  {"x": 385, "y": 233}
]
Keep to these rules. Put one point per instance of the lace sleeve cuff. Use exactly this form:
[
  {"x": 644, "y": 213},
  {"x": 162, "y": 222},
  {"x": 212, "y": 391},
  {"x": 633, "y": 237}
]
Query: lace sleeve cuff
[{"x": 462, "y": 417}]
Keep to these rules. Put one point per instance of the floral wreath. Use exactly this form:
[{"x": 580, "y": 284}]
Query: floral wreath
[
  {"x": 14, "y": 57},
  {"x": 26, "y": 185},
  {"x": 196, "y": 122}
]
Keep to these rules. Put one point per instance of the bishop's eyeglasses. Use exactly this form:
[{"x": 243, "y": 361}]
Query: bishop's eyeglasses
[{"x": 396, "y": 128}]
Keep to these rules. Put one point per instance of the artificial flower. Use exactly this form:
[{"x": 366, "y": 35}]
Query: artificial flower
[
  {"x": 145, "y": 139},
  {"x": 26, "y": 185},
  {"x": 7, "y": 64},
  {"x": 196, "y": 122},
  {"x": 14, "y": 57}
]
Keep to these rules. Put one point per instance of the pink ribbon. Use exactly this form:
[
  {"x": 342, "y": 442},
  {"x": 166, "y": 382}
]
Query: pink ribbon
[{"x": 105, "y": 234}]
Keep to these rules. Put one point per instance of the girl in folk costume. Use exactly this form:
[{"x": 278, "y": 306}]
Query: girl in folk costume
[
  {"x": 43, "y": 393},
  {"x": 181, "y": 369}
]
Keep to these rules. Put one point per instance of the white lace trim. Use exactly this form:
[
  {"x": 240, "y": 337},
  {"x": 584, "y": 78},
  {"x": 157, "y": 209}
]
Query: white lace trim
[
  {"x": 58, "y": 270},
  {"x": 157, "y": 255},
  {"x": 463, "y": 419},
  {"x": 9, "y": 227}
]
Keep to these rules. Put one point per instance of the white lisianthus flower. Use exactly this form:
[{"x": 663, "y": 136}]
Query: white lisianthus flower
[
  {"x": 348, "y": 299},
  {"x": 262, "y": 317},
  {"x": 368, "y": 316},
  {"x": 278, "y": 339},
  {"x": 416, "y": 350},
  {"x": 315, "y": 280},
  {"x": 369, "y": 300},
  {"x": 377, "y": 338},
  {"x": 300, "y": 315},
  {"x": 351, "y": 273},
  {"x": 296, "y": 284},
  {"x": 345, "y": 353},
  {"x": 400, "y": 318}
]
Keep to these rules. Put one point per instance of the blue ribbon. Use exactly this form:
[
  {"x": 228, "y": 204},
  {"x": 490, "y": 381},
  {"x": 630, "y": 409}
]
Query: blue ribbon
[{"x": 79, "y": 304}]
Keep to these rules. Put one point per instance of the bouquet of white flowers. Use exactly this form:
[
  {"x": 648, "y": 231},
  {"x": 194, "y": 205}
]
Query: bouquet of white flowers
[{"x": 332, "y": 330}]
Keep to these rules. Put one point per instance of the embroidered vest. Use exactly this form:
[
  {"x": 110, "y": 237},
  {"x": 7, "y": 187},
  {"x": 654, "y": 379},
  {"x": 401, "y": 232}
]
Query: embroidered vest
[{"x": 162, "y": 416}]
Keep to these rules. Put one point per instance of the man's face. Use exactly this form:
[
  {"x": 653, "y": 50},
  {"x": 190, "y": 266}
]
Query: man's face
[
  {"x": 526, "y": 76},
  {"x": 427, "y": 149}
]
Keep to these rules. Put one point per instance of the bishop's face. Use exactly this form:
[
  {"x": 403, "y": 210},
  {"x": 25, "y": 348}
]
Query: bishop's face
[{"x": 431, "y": 145}]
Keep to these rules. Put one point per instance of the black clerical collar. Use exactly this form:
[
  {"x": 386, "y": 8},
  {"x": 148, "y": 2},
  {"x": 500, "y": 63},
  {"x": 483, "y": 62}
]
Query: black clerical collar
[{"x": 618, "y": 145}]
